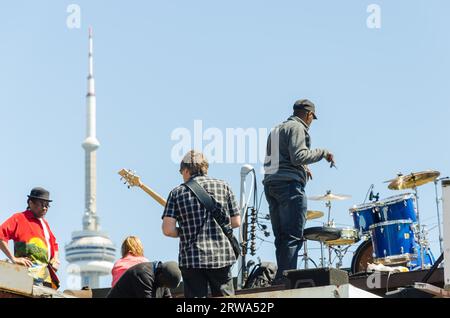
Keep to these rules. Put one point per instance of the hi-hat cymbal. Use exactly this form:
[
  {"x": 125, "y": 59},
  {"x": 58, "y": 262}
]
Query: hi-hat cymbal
[
  {"x": 413, "y": 180},
  {"x": 330, "y": 197},
  {"x": 311, "y": 215}
]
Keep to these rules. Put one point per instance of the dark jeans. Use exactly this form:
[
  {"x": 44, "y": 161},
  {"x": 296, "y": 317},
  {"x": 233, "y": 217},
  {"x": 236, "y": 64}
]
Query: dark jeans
[
  {"x": 196, "y": 282},
  {"x": 287, "y": 205}
]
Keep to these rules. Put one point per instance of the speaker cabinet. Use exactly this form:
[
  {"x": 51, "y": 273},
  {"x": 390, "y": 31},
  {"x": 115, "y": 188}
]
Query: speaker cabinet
[{"x": 303, "y": 278}]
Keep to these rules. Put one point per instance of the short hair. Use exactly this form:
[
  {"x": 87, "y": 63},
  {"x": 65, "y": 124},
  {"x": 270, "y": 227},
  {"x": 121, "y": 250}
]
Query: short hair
[
  {"x": 132, "y": 245},
  {"x": 195, "y": 162}
]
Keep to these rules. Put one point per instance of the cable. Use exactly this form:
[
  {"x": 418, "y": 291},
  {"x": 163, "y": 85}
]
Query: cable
[
  {"x": 244, "y": 209},
  {"x": 367, "y": 194}
]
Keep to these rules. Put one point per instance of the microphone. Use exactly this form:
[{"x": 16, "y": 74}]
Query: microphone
[
  {"x": 245, "y": 170},
  {"x": 374, "y": 196}
]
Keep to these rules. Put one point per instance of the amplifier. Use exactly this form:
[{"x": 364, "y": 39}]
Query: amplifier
[{"x": 303, "y": 278}]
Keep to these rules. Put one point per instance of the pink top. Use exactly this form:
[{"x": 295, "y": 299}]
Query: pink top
[{"x": 123, "y": 264}]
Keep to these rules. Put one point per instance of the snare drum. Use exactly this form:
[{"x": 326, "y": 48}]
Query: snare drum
[
  {"x": 393, "y": 242},
  {"x": 365, "y": 215},
  {"x": 398, "y": 207},
  {"x": 348, "y": 236}
]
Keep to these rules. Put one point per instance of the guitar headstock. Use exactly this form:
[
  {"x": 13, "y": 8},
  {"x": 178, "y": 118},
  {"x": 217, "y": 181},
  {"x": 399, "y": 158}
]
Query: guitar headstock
[{"x": 130, "y": 178}]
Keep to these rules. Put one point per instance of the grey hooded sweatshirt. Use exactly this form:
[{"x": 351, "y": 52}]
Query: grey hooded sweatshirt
[{"x": 288, "y": 151}]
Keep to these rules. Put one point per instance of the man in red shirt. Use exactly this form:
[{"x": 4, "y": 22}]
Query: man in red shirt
[{"x": 34, "y": 243}]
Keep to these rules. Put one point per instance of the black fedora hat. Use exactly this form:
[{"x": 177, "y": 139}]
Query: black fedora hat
[{"x": 40, "y": 193}]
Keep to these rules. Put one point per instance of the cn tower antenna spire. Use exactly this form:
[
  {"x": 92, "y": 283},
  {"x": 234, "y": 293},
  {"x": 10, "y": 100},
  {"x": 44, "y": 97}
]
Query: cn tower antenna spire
[
  {"x": 90, "y": 146},
  {"x": 91, "y": 253}
]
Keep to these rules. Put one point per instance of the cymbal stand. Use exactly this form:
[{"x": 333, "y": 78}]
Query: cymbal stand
[
  {"x": 441, "y": 239},
  {"x": 328, "y": 205},
  {"x": 305, "y": 257},
  {"x": 419, "y": 232},
  {"x": 322, "y": 260},
  {"x": 329, "y": 224}
]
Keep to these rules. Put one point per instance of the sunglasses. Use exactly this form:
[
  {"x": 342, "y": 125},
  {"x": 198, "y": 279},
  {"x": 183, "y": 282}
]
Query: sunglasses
[{"x": 44, "y": 204}]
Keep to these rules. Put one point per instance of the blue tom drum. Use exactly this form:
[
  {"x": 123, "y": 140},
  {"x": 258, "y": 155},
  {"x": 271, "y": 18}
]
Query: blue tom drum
[
  {"x": 365, "y": 215},
  {"x": 398, "y": 207},
  {"x": 393, "y": 242}
]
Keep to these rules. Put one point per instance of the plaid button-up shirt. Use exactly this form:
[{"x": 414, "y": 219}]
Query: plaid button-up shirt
[{"x": 202, "y": 242}]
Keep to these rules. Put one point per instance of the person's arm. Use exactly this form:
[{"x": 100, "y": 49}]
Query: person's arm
[
  {"x": 169, "y": 227},
  {"x": 233, "y": 209},
  {"x": 16, "y": 260},
  {"x": 55, "y": 248},
  {"x": 299, "y": 152},
  {"x": 55, "y": 260},
  {"x": 235, "y": 221}
]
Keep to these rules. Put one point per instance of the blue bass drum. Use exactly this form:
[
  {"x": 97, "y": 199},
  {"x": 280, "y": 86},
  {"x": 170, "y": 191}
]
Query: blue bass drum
[
  {"x": 398, "y": 207},
  {"x": 393, "y": 242}
]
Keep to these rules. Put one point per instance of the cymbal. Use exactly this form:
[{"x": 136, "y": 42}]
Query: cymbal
[
  {"x": 330, "y": 197},
  {"x": 413, "y": 180},
  {"x": 311, "y": 215}
]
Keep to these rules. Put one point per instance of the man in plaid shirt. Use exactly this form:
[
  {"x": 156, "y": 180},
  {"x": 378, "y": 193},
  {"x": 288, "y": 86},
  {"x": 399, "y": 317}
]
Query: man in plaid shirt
[{"x": 205, "y": 255}]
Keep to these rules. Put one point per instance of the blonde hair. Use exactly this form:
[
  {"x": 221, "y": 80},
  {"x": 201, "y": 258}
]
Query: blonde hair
[
  {"x": 195, "y": 162},
  {"x": 132, "y": 245}
]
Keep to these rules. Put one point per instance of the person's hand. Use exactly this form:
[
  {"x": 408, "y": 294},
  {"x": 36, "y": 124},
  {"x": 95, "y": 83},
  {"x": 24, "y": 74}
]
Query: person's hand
[
  {"x": 55, "y": 263},
  {"x": 25, "y": 261},
  {"x": 330, "y": 157},
  {"x": 309, "y": 175}
]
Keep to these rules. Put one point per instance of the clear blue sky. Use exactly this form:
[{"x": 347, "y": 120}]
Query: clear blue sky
[{"x": 381, "y": 95}]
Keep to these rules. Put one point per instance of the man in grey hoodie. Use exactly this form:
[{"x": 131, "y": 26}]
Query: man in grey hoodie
[{"x": 286, "y": 173}]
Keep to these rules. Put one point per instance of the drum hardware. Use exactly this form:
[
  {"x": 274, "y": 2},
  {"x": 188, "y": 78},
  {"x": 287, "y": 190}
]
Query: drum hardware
[
  {"x": 374, "y": 196},
  {"x": 441, "y": 239},
  {"x": 340, "y": 253},
  {"x": 348, "y": 236},
  {"x": 328, "y": 197},
  {"x": 321, "y": 234},
  {"x": 305, "y": 257}
]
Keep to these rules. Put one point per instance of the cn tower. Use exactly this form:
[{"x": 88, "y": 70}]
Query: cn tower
[{"x": 91, "y": 253}]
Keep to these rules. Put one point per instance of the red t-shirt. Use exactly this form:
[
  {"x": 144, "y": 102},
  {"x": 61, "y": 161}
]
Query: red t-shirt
[{"x": 28, "y": 235}]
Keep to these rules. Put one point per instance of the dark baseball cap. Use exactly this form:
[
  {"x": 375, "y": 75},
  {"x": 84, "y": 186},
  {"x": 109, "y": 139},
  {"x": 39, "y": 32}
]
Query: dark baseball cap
[{"x": 305, "y": 104}]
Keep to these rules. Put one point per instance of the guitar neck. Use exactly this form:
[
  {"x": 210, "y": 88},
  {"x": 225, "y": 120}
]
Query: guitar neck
[{"x": 153, "y": 194}]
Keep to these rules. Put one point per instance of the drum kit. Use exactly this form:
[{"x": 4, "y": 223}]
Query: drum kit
[{"x": 390, "y": 230}]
